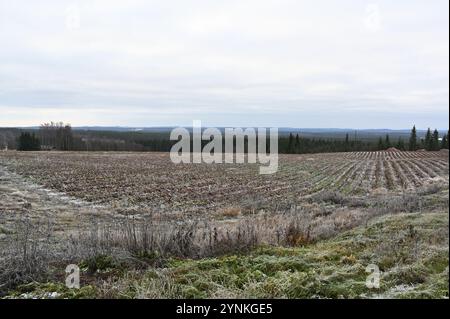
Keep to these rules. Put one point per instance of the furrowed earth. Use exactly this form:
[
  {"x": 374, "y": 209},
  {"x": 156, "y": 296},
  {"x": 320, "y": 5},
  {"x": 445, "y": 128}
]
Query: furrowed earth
[{"x": 139, "y": 226}]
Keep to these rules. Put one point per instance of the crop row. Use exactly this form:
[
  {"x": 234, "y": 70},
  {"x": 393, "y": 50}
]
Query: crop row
[{"x": 152, "y": 181}]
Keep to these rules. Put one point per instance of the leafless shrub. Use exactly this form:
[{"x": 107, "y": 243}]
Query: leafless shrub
[
  {"x": 407, "y": 202},
  {"x": 27, "y": 255},
  {"x": 338, "y": 198},
  {"x": 329, "y": 196},
  {"x": 356, "y": 202},
  {"x": 297, "y": 235},
  {"x": 432, "y": 188},
  {"x": 231, "y": 212},
  {"x": 143, "y": 241},
  {"x": 181, "y": 239},
  {"x": 240, "y": 238}
]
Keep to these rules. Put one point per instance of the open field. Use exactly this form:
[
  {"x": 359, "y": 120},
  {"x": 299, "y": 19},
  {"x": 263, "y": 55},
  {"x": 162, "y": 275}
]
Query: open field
[
  {"x": 149, "y": 181},
  {"x": 141, "y": 226}
]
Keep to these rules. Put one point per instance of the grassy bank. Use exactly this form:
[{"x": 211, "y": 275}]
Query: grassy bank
[{"x": 411, "y": 250}]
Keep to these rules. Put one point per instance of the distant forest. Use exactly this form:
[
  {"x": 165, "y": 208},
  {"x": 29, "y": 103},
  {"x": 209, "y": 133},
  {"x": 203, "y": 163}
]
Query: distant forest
[{"x": 61, "y": 137}]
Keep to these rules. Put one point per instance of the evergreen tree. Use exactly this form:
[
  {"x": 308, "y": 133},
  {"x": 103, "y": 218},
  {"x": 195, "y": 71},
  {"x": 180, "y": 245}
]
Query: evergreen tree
[
  {"x": 380, "y": 144},
  {"x": 23, "y": 142},
  {"x": 347, "y": 143},
  {"x": 387, "y": 142},
  {"x": 428, "y": 145},
  {"x": 444, "y": 142},
  {"x": 413, "y": 139},
  {"x": 28, "y": 142},
  {"x": 297, "y": 144},
  {"x": 400, "y": 144},
  {"x": 435, "y": 141},
  {"x": 291, "y": 143}
]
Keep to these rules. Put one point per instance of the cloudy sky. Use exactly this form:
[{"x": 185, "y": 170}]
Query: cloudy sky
[{"x": 325, "y": 63}]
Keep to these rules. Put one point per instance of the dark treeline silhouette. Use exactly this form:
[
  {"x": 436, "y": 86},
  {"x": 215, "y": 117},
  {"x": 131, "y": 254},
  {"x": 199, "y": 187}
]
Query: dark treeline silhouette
[
  {"x": 295, "y": 144},
  {"x": 28, "y": 142},
  {"x": 60, "y": 136},
  {"x": 298, "y": 145},
  {"x": 8, "y": 138},
  {"x": 431, "y": 141}
]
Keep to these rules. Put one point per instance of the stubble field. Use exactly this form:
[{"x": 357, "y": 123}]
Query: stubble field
[
  {"x": 101, "y": 210},
  {"x": 149, "y": 181}
]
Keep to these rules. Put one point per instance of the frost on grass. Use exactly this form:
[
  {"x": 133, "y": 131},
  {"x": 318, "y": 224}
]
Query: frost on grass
[{"x": 142, "y": 227}]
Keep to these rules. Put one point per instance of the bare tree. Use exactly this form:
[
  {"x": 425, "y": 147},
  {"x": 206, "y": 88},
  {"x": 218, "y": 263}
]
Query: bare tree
[{"x": 56, "y": 136}]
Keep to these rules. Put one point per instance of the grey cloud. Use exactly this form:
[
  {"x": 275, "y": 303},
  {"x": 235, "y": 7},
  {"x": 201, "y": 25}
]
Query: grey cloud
[{"x": 261, "y": 62}]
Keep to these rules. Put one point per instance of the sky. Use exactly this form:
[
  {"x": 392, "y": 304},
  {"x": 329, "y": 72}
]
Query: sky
[{"x": 268, "y": 63}]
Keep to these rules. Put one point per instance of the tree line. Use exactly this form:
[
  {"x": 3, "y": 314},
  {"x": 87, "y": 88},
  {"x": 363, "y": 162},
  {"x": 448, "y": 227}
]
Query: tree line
[
  {"x": 431, "y": 142},
  {"x": 29, "y": 142},
  {"x": 299, "y": 145},
  {"x": 60, "y": 136}
]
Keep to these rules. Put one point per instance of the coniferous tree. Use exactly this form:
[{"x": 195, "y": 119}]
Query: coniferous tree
[
  {"x": 387, "y": 142},
  {"x": 435, "y": 141},
  {"x": 23, "y": 143},
  {"x": 347, "y": 143},
  {"x": 35, "y": 144},
  {"x": 380, "y": 144},
  {"x": 413, "y": 139},
  {"x": 28, "y": 142},
  {"x": 446, "y": 146},
  {"x": 297, "y": 144},
  {"x": 291, "y": 143},
  {"x": 428, "y": 140},
  {"x": 400, "y": 144},
  {"x": 444, "y": 142}
]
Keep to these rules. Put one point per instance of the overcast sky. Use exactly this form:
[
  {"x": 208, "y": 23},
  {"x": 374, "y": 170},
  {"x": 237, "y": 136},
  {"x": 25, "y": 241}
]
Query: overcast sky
[{"x": 324, "y": 63}]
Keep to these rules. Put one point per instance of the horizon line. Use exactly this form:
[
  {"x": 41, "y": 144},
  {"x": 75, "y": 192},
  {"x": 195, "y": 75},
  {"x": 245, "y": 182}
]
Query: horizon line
[{"x": 225, "y": 126}]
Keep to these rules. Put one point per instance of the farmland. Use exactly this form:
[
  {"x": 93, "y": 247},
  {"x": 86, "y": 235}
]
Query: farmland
[
  {"x": 149, "y": 181},
  {"x": 177, "y": 221}
]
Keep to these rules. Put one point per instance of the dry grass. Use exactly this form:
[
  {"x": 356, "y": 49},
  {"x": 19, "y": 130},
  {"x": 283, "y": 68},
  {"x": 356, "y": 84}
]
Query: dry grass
[
  {"x": 231, "y": 212},
  {"x": 146, "y": 219}
]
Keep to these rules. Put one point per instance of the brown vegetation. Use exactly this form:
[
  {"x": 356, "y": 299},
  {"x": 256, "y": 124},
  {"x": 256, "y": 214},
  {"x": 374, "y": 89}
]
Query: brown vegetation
[{"x": 140, "y": 210}]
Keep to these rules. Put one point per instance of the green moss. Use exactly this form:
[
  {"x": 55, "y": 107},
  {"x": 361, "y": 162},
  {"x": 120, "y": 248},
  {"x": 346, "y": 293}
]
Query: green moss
[
  {"x": 100, "y": 263},
  {"x": 333, "y": 268},
  {"x": 437, "y": 263},
  {"x": 148, "y": 256}
]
